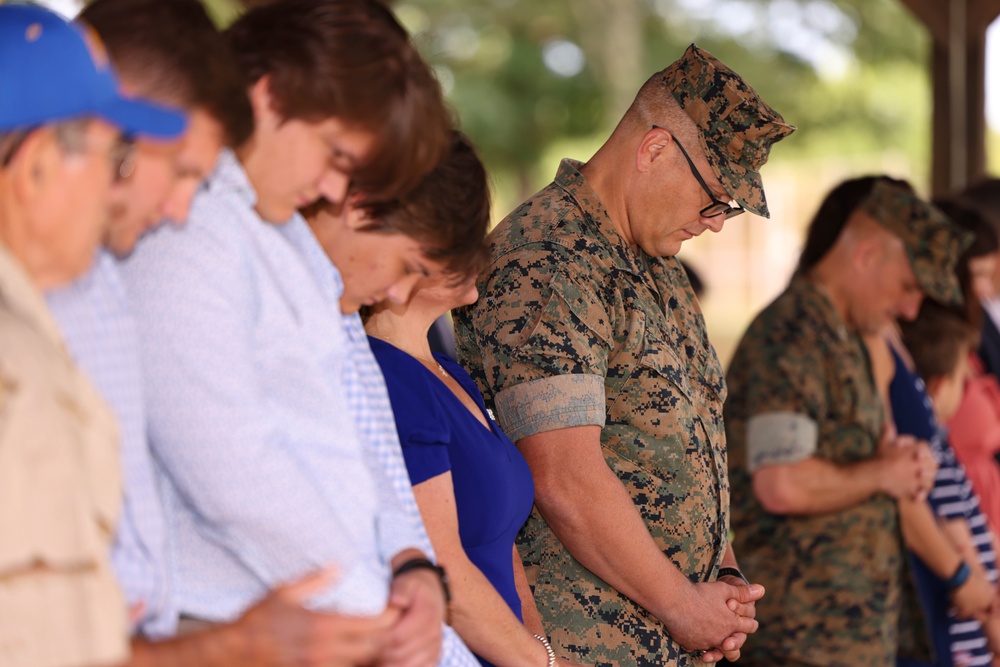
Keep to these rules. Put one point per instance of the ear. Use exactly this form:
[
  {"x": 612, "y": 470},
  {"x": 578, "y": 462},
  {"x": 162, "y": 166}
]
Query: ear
[
  {"x": 36, "y": 167},
  {"x": 652, "y": 148},
  {"x": 868, "y": 253},
  {"x": 261, "y": 100}
]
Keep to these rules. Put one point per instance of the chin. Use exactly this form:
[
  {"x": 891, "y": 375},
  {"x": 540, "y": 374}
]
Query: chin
[
  {"x": 275, "y": 213},
  {"x": 121, "y": 246},
  {"x": 669, "y": 251},
  {"x": 665, "y": 249}
]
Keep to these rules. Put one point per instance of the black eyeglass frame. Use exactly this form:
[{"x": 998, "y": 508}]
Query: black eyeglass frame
[
  {"x": 122, "y": 155},
  {"x": 717, "y": 207}
]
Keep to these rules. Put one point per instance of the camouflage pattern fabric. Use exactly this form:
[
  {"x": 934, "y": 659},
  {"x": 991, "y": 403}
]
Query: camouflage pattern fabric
[
  {"x": 572, "y": 328},
  {"x": 933, "y": 244},
  {"x": 735, "y": 126},
  {"x": 833, "y": 579}
]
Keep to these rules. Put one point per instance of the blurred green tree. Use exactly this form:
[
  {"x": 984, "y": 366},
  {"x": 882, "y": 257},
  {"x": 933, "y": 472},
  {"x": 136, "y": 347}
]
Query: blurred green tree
[
  {"x": 527, "y": 74},
  {"x": 527, "y": 77}
]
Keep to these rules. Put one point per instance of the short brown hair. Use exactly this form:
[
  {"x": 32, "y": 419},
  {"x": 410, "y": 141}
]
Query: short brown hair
[
  {"x": 984, "y": 242},
  {"x": 937, "y": 339},
  {"x": 171, "y": 52},
  {"x": 350, "y": 60},
  {"x": 448, "y": 213}
]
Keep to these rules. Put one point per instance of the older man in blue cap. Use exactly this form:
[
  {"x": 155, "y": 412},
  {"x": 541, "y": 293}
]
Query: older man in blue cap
[{"x": 62, "y": 123}]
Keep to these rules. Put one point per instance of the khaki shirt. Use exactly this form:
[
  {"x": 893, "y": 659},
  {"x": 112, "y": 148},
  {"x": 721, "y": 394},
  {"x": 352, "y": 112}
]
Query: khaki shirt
[
  {"x": 574, "y": 328},
  {"x": 833, "y": 579},
  {"x": 60, "y": 491}
]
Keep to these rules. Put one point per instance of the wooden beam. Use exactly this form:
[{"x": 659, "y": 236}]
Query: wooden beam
[
  {"x": 958, "y": 69},
  {"x": 933, "y": 14},
  {"x": 982, "y": 13}
]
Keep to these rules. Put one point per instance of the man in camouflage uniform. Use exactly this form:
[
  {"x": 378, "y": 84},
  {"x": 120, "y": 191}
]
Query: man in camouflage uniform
[
  {"x": 589, "y": 342},
  {"x": 814, "y": 477}
]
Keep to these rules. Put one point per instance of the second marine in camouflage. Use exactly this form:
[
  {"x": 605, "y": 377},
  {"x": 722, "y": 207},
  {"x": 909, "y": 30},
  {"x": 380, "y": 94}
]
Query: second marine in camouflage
[
  {"x": 814, "y": 478},
  {"x": 589, "y": 342}
]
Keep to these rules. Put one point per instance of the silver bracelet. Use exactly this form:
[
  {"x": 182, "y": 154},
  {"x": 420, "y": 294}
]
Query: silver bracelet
[{"x": 548, "y": 649}]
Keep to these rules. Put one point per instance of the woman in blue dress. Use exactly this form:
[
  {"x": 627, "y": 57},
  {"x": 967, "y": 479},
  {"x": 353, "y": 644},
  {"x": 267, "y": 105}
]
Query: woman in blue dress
[{"x": 472, "y": 485}]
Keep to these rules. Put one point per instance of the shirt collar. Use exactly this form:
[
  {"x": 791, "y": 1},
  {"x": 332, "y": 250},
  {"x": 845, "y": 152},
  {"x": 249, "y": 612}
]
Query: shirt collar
[
  {"x": 822, "y": 306},
  {"x": 572, "y": 181},
  {"x": 22, "y": 296},
  {"x": 229, "y": 175}
]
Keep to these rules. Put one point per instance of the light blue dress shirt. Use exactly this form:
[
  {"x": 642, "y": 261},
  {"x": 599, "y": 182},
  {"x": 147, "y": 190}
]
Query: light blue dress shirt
[
  {"x": 97, "y": 326},
  {"x": 264, "y": 474}
]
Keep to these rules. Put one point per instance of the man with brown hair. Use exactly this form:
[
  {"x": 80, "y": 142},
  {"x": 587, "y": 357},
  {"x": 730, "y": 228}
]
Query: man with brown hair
[
  {"x": 267, "y": 473},
  {"x": 172, "y": 53},
  {"x": 591, "y": 346}
]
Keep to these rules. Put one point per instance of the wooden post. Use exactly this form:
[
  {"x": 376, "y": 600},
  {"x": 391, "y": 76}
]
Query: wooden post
[{"x": 958, "y": 68}]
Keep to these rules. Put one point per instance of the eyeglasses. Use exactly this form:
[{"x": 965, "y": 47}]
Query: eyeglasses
[
  {"x": 13, "y": 144},
  {"x": 121, "y": 154},
  {"x": 717, "y": 207}
]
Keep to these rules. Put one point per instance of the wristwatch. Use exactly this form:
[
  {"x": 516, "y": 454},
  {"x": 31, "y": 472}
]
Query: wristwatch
[
  {"x": 732, "y": 572},
  {"x": 424, "y": 564}
]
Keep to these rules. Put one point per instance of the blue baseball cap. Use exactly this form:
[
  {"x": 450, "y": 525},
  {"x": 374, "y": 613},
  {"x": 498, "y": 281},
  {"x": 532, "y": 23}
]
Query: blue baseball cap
[{"x": 53, "y": 71}]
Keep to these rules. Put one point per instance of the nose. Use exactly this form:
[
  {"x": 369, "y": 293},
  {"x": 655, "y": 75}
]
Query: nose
[
  {"x": 909, "y": 306},
  {"x": 177, "y": 205},
  {"x": 333, "y": 185},
  {"x": 399, "y": 292},
  {"x": 715, "y": 223}
]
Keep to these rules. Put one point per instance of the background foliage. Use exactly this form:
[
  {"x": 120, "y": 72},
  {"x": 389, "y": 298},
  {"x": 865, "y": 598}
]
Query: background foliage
[{"x": 533, "y": 81}]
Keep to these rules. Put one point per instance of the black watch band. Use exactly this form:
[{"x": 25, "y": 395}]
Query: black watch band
[
  {"x": 424, "y": 564},
  {"x": 732, "y": 572},
  {"x": 958, "y": 579}
]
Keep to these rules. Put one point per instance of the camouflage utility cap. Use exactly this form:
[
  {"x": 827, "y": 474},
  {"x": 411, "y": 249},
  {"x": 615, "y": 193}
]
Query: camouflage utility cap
[
  {"x": 736, "y": 128},
  {"x": 932, "y": 242}
]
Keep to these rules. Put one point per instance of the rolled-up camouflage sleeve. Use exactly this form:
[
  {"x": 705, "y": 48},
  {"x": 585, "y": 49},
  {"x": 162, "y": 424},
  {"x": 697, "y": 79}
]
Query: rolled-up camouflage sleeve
[
  {"x": 785, "y": 398},
  {"x": 551, "y": 403},
  {"x": 780, "y": 438},
  {"x": 544, "y": 338}
]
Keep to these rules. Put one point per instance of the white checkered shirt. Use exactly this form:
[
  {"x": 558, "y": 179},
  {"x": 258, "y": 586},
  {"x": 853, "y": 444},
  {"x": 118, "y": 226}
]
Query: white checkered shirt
[{"x": 95, "y": 321}]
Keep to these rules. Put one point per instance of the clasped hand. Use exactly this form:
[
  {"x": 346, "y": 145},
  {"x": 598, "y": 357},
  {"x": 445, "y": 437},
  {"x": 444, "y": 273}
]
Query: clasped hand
[{"x": 716, "y": 617}]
